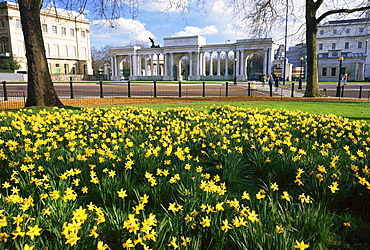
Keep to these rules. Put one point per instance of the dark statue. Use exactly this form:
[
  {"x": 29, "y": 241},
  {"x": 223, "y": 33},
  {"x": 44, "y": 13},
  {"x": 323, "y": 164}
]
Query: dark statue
[{"x": 153, "y": 45}]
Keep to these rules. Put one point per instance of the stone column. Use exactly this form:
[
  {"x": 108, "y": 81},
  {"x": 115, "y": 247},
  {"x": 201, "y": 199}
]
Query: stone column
[
  {"x": 236, "y": 65},
  {"x": 118, "y": 68},
  {"x": 226, "y": 63},
  {"x": 171, "y": 65},
  {"x": 131, "y": 65},
  {"x": 218, "y": 63},
  {"x": 112, "y": 65},
  {"x": 269, "y": 62},
  {"x": 151, "y": 65},
  {"x": 190, "y": 63},
  {"x": 139, "y": 66},
  {"x": 158, "y": 66},
  {"x": 165, "y": 65},
  {"x": 210, "y": 64},
  {"x": 146, "y": 64},
  {"x": 197, "y": 54},
  {"x": 204, "y": 63},
  {"x": 265, "y": 56},
  {"x": 242, "y": 67}
]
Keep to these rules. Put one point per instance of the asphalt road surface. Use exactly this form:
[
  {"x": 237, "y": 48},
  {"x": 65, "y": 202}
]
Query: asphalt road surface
[{"x": 86, "y": 90}]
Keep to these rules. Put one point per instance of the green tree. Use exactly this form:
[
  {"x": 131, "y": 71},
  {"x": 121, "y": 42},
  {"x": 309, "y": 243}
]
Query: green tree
[{"x": 9, "y": 64}]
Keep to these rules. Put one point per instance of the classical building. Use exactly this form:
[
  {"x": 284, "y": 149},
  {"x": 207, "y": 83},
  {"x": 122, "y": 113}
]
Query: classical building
[
  {"x": 66, "y": 38},
  {"x": 190, "y": 58},
  {"x": 347, "y": 39}
]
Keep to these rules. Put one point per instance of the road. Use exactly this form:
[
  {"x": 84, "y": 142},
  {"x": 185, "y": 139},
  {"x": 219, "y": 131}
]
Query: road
[{"x": 86, "y": 90}]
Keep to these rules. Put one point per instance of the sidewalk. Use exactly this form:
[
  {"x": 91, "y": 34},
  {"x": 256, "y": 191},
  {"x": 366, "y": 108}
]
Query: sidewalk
[{"x": 284, "y": 90}]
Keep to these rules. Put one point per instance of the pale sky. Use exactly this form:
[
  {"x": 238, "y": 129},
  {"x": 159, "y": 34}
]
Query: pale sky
[{"x": 217, "y": 25}]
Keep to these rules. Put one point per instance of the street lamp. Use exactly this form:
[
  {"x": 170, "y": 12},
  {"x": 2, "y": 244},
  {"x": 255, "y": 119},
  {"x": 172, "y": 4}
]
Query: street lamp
[
  {"x": 300, "y": 74},
  {"x": 235, "y": 60},
  {"x": 340, "y": 67}
]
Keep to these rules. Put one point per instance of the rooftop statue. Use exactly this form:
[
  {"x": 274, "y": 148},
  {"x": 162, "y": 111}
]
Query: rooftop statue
[{"x": 153, "y": 45}]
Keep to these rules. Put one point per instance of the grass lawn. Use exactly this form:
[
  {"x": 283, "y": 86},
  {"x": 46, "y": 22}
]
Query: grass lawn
[{"x": 350, "y": 110}]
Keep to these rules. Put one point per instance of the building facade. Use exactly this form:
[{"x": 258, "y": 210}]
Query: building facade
[
  {"x": 66, "y": 38},
  {"x": 190, "y": 58},
  {"x": 347, "y": 39}
]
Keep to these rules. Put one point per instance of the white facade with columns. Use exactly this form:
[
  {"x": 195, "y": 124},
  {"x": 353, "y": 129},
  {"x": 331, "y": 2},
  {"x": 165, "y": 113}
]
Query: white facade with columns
[{"x": 164, "y": 63}]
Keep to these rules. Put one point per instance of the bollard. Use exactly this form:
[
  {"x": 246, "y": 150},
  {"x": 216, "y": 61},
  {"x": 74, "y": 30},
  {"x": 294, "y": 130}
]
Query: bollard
[
  {"x": 155, "y": 88},
  {"x": 249, "y": 88},
  {"x": 128, "y": 88},
  {"x": 292, "y": 90},
  {"x": 227, "y": 89},
  {"x": 179, "y": 88},
  {"x": 360, "y": 95},
  {"x": 71, "y": 88},
  {"x": 342, "y": 91},
  {"x": 204, "y": 89},
  {"x": 101, "y": 89},
  {"x": 5, "y": 92},
  {"x": 270, "y": 89}
]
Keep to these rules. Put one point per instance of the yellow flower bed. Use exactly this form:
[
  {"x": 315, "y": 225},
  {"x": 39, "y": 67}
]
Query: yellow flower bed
[{"x": 221, "y": 178}]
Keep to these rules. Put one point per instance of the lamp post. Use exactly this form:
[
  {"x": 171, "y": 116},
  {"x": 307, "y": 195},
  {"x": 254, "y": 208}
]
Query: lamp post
[
  {"x": 235, "y": 60},
  {"x": 340, "y": 67},
  {"x": 300, "y": 74}
]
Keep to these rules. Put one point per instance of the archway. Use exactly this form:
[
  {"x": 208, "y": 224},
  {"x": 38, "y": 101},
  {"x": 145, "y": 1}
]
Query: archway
[
  {"x": 183, "y": 68},
  {"x": 254, "y": 66}
]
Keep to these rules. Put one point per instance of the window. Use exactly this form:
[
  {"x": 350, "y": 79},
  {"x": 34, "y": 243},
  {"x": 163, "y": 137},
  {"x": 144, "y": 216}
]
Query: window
[
  {"x": 72, "y": 32},
  {"x": 361, "y": 30},
  {"x": 74, "y": 69},
  {"x": 54, "y": 29},
  {"x": 4, "y": 46},
  {"x": 83, "y": 34},
  {"x": 321, "y": 46},
  {"x": 346, "y": 45},
  {"x": 321, "y": 32},
  {"x": 21, "y": 48},
  {"x": 56, "y": 50},
  {"x": 85, "y": 69},
  {"x": 73, "y": 51},
  {"x": 348, "y": 31},
  {"x": 333, "y": 71},
  {"x": 83, "y": 52},
  {"x": 47, "y": 49},
  {"x": 333, "y": 45},
  {"x": 359, "y": 45},
  {"x": 44, "y": 28},
  {"x": 2, "y": 23},
  {"x": 64, "y": 50},
  {"x": 334, "y": 32},
  {"x": 18, "y": 24},
  {"x": 63, "y": 31},
  {"x": 66, "y": 69},
  {"x": 324, "y": 71},
  {"x": 57, "y": 69}
]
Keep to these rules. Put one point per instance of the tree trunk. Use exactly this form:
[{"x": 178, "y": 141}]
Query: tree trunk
[
  {"x": 312, "y": 87},
  {"x": 40, "y": 91}
]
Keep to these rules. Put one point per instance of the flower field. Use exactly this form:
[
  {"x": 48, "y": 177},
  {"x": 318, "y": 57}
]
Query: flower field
[{"x": 221, "y": 178}]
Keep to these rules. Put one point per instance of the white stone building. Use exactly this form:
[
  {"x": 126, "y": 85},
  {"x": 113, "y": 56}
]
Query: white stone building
[
  {"x": 66, "y": 38},
  {"x": 347, "y": 39},
  {"x": 190, "y": 58}
]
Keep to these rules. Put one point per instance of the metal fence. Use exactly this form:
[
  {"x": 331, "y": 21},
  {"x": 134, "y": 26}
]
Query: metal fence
[
  {"x": 15, "y": 100},
  {"x": 12, "y": 100}
]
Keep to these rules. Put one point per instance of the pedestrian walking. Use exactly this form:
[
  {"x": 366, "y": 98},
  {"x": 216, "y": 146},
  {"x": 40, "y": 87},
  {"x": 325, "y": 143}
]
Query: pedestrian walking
[{"x": 345, "y": 78}]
